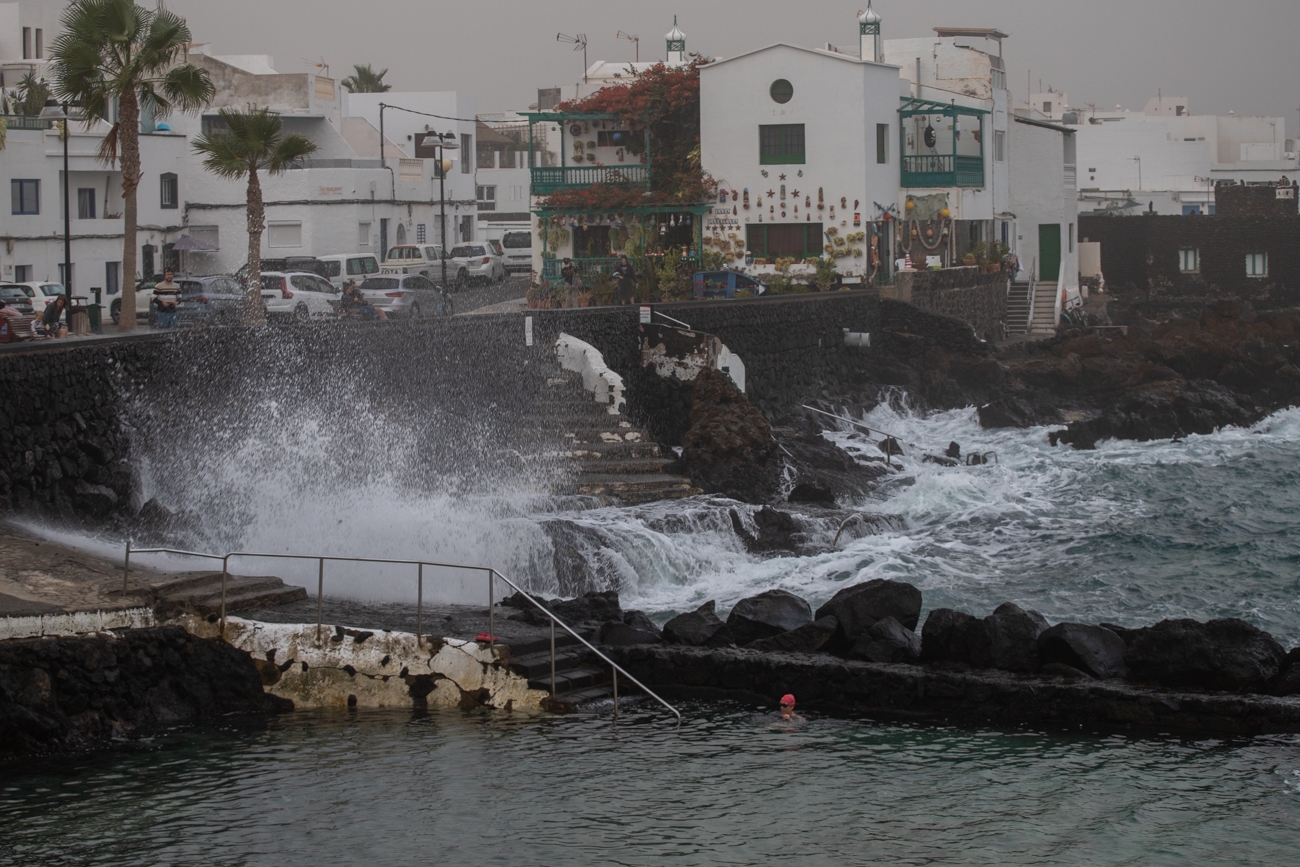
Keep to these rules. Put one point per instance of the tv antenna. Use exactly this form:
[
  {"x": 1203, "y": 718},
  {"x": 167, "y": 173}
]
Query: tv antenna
[
  {"x": 579, "y": 43},
  {"x": 321, "y": 64},
  {"x": 633, "y": 38}
]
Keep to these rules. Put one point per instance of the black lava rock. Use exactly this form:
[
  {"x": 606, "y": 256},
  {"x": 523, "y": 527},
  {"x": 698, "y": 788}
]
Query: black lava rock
[
  {"x": 1082, "y": 646},
  {"x": 698, "y": 628},
  {"x": 809, "y": 638},
  {"x": 858, "y": 607},
  {"x": 1227, "y": 655},
  {"x": 1013, "y": 637},
  {"x": 767, "y": 614},
  {"x": 887, "y": 641}
]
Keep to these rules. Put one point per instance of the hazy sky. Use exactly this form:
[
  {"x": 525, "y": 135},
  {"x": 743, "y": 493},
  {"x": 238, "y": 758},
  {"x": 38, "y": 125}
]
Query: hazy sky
[{"x": 1222, "y": 55}]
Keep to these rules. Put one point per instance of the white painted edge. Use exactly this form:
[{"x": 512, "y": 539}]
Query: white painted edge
[{"x": 75, "y": 623}]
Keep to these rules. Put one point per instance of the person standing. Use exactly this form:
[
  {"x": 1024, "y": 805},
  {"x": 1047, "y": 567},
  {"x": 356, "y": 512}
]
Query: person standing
[
  {"x": 626, "y": 281},
  {"x": 568, "y": 271},
  {"x": 167, "y": 295}
]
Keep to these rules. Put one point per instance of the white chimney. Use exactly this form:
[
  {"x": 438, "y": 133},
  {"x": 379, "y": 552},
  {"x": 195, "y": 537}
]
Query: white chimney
[{"x": 870, "y": 47}]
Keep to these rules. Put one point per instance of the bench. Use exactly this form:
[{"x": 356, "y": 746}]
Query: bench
[{"x": 17, "y": 328}]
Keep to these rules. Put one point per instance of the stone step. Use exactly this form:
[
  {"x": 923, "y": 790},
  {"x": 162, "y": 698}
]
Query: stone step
[
  {"x": 576, "y": 678},
  {"x": 538, "y": 664},
  {"x": 650, "y": 495},
  {"x": 242, "y": 593},
  {"x": 522, "y": 649},
  {"x": 626, "y": 466},
  {"x": 621, "y": 449},
  {"x": 590, "y": 694},
  {"x": 596, "y": 484}
]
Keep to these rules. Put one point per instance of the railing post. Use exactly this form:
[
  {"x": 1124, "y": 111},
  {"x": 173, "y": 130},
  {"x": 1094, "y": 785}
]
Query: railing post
[
  {"x": 419, "y": 608},
  {"x": 615, "y": 673},
  {"x": 126, "y": 566},
  {"x": 320, "y": 595},
  {"x": 492, "y": 623},
  {"x": 225, "y": 571},
  {"x": 552, "y": 656}
]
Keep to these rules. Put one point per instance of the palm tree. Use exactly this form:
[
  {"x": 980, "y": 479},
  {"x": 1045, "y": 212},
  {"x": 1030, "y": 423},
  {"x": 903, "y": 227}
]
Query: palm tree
[
  {"x": 112, "y": 51},
  {"x": 366, "y": 80},
  {"x": 252, "y": 142}
]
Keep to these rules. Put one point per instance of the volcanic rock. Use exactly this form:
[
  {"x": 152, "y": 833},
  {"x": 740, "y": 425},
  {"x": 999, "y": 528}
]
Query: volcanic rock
[
  {"x": 729, "y": 448},
  {"x": 809, "y": 638},
  {"x": 1013, "y": 637},
  {"x": 858, "y": 607},
  {"x": 887, "y": 641},
  {"x": 777, "y": 531},
  {"x": 767, "y": 614},
  {"x": 1082, "y": 646},
  {"x": 640, "y": 620},
  {"x": 622, "y": 635},
  {"x": 947, "y": 636},
  {"x": 1288, "y": 680},
  {"x": 698, "y": 628},
  {"x": 1228, "y": 655}
]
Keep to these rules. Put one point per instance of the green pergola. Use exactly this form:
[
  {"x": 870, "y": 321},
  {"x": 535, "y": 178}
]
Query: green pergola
[
  {"x": 549, "y": 267},
  {"x": 548, "y": 179},
  {"x": 945, "y": 169}
]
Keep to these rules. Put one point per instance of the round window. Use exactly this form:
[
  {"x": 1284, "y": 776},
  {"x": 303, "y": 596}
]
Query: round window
[{"x": 781, "y": 90}]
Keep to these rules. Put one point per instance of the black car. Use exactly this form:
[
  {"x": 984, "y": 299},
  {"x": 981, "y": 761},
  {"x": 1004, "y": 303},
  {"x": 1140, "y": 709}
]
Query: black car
[{"x": 15, "y": 297}]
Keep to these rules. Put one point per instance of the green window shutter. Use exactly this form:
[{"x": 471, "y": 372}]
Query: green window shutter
[{"x": 781, "y": 144}]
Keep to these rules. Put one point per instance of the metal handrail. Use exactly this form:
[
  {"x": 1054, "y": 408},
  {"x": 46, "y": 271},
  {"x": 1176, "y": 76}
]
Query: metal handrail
[
  {"x": 1033, "y": 292},
  {"x": 419, "y": 604}
]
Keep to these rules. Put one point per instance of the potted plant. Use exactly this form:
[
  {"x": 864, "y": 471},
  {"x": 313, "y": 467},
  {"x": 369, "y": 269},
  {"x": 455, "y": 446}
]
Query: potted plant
[{"x": 584, "y": 298}]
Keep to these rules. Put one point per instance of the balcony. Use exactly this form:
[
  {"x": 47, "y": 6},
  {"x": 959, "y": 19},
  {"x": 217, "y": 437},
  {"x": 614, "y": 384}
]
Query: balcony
[
  {"x": 943, "y": 170},
  {"x": 17, "y": 121},
  {"x": 548, "y": 179}
]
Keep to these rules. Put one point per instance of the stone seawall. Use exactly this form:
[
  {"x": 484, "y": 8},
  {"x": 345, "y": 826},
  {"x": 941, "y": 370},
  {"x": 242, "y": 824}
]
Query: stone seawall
[
  {"x": 77, "y": 418},
  {"x": 979, "y": 300},
  {"x": 73, "y": 693},
  {"x": 825, "y": 683}
]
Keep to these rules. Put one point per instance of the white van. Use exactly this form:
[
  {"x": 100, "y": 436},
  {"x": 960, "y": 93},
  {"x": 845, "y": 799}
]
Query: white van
[
  {"x": 423, "y": 259},
  {"x": 342, "y": 267},
  {"x": 516, "y": 240}
]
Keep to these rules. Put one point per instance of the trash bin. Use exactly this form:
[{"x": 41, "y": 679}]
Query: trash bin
[
  {"x": 78, "y": 321},
  {"x": 95, "y": 311}
]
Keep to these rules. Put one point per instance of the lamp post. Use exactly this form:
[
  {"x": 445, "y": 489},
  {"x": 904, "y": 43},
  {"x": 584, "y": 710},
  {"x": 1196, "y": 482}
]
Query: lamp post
[
  {"x": 65, "y": 112},
  {"x": 443, "y": 166}
]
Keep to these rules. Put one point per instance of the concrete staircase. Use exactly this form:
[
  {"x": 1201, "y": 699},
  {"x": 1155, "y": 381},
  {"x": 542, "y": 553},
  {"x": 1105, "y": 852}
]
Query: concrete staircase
[
  {"x": 596, "y": 453},
  {"x": 1017, "y": 317},
  {"x": 577, "y": 681},
  {"x": 200, "y": 593},
  {"x": 1044, "y": 321}
]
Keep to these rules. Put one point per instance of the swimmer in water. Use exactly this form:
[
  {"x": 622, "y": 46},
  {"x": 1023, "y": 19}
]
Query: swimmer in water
[{"x": 787, "y": 709}]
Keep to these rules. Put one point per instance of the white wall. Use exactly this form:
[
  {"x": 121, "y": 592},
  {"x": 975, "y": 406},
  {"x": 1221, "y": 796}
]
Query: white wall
[
  {"x": 839, "y": 99},
  {"x": 1041, "y": 195}
]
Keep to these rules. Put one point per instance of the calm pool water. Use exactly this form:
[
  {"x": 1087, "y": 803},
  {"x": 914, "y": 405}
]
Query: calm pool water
[{"x": 729, "y": 787}]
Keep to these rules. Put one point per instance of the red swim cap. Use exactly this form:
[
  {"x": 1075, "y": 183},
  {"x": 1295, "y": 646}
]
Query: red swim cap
[{"x": 787, "y": 699}]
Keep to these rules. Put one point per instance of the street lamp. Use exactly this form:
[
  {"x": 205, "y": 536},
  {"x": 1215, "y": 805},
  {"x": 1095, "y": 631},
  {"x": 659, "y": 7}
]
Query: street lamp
[
  {"x": 65, "y": 112},
  {"x": 443, "y": 166}
]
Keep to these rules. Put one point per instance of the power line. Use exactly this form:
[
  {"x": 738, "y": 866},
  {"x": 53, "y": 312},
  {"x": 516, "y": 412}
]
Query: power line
[{"x": 427, "y": 114}]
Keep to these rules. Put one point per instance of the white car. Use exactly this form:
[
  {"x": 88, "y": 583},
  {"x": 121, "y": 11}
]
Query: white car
[
  {"x": 477, "y": 263},
  {"x": 41, "y": 294},
  {"x": 423, "y": 259},
  {"x": 518, "y": 249},
  {"x": 298, "y": 296}
]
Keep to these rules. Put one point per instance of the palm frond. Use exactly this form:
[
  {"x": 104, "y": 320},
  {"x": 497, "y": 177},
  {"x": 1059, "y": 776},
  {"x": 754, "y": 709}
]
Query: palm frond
[{"x": 290, "y": 150}]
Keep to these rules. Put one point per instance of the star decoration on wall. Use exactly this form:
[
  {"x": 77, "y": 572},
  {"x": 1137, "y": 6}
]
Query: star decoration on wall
[
  {"x": 770, "y": 194},
  {"x": 783, "y": 177},
  {"x": 794, "y": 192}
]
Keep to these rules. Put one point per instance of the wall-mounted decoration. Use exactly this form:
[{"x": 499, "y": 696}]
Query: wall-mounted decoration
[
  {"x": 857, "y": 218},
  {"x": 821, "y": 200},
  {"x": 799, "y": 173},
  {"x": 746, "y": 198},
  {"x": 783, "y": 190},
  {"x": 844, "y": 203},
  {"x": 722, "y": 197},
  {"x": 763, "y": 172},
  {"x": 781, "y": 177},
  {"x": 771, "y": 194}
]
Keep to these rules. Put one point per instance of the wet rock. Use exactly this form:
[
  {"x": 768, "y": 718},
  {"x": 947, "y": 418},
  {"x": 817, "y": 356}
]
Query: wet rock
[
  {"x": 1013, "y": 637},
  {"x": 1084, "y": 647},
  {"x": 947, "y": 636},
  {"x": 1007, "y": 412},
  {"x": 809, "y": 492},
  {"x": 776, "y": 531},
  {"x": 953, "y": 451},
  {"x": 890, "y": 447},
  {"x": 595, "y": 607},
  {"x": 698, "y": 628},
  {"x": 729, "y": 448},
  {"x": 1288, "y": 679},
  {"x": 822, "y": 471},
  {"x": 623, "y": 635},
  {"x": 808, "y": 638},
  {"x": 767, "y": 614},
  {"x": 887, "y": 641},
  {"x": 96, "y": 500},
  {"x": 1228, "y": 655},
  {"x": 640, "y": 620},
  {"x": 858, "y": 607}
]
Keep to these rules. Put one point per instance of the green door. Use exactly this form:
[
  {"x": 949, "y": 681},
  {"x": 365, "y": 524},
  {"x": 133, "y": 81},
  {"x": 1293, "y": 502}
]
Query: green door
[{"x": 1049, "y": 252}]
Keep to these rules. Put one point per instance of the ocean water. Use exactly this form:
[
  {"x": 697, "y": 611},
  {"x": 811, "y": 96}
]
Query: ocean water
[
  {"x": 1130, "y": 533},
  {"x": 731, "y": 786}
]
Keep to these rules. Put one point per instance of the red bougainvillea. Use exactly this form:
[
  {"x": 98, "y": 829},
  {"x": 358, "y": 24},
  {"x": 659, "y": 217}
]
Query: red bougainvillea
[{"x": 665, "y": 101}]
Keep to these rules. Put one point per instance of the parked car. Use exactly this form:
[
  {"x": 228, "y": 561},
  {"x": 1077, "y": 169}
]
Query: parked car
[
  {"x": 39, "y": 293},
  {"x": 477, "y": 263},
  {"x": 298, "y": 296},
  {"x": 517, "y": 251},
  {"x": 343, "y": 267},
  {"x": 216, "y": 300},
  {"x": 406, "y": 295},
  {"x": 725, "y": 284},
  {"x": 14, "y": 296},
  {"x": 287, "y": 264},
  {"x": 423, "y": 259}
]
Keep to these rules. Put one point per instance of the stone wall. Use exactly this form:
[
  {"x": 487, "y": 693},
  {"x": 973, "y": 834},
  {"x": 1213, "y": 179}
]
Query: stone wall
[
  {"x": 1141, "y": 263},
  {"x": 75, "y": 414},
  {"x": 979, "y": 300}
]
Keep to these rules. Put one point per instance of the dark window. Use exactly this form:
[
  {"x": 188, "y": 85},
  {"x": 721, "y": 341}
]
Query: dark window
[
  {"x": 517, "y": 240},
  {"x": 112, "y": 277},
  {"x": 22, "y": 273},
  {"x": 781, "y": 90},
  {"x": 86, "y": 203},
  {"x": 26, "y": 196},
  {"x": 781, "y": 144},
  {"x": 40, "y": 43},
  {"x": 418, "y": 282},
  {"x": 65, "y": 277},
  {"x": 27, "y": 43},
  {"x": 882, "y": 143},
  {"x": 774, "y": 240},
  {"x": 170, "y": 192},
  {"x": 213, "y": 125},
  {"x": 381, "y": 283},
  {"x": 466, "y": 153},
  {"x": 332, "y": 267}
]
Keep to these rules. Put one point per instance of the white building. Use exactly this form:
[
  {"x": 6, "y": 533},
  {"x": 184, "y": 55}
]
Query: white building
[
  {"x": 1042, "y": 169},
  {"x": 1165, "y": 159},
  {"x": 344, "y": 198},
  {"x": 26, "y": 33}
]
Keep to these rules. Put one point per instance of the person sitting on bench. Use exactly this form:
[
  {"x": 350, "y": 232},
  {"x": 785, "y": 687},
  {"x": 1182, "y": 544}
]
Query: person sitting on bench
[{"x": 354, "y": 303}]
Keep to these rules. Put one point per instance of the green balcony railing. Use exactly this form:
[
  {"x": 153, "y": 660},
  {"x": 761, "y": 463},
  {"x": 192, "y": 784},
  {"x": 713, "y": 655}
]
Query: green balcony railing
[
  {"x": 590, "y": 267},
  {"x": 943, "y": 170},
  {"x": 18, "y": 121},
  {"x": 548, "y": 179}
]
